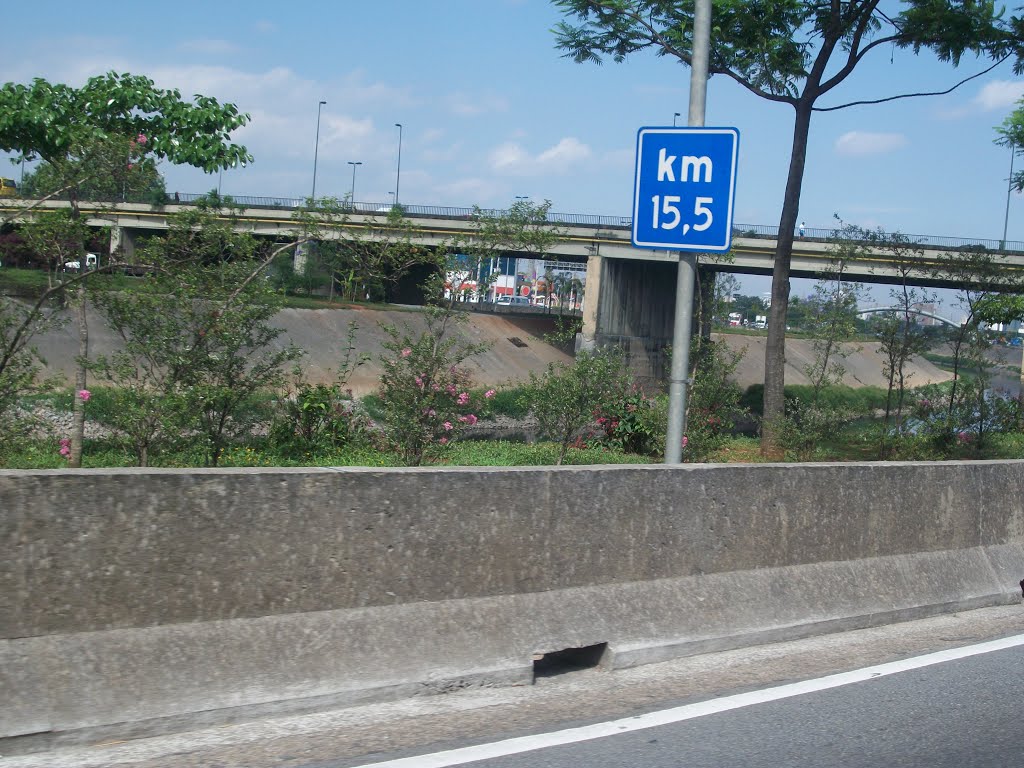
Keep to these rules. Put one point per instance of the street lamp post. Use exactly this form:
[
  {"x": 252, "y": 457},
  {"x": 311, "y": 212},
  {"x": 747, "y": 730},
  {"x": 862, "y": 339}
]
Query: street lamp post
[
  {"x": 1009, "y": 189},
  {"x": 352, "y": 194},
  {"x": 316, "y": 147},
  {"x": 398, "y": 173},
  {"x": 674, "y": 118}
]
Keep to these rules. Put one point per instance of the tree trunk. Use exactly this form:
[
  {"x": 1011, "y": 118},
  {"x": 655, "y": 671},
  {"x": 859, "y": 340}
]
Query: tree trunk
[
  {"x": 706, "y": 279},
  {"x": 78, "y": 404},
  {"x": 78, "y": 412},
  {"x": 775, "y": 349}
]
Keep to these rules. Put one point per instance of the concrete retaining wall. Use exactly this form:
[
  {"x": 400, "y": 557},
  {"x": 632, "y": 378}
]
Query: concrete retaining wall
[{"x": 139, "y": 601}]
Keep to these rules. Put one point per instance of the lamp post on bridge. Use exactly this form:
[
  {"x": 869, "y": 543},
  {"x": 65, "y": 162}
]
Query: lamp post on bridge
[
  {"x": 1009, "y": 189},
  {"x": 352, "y": 194},
  {"x": 316, "y": 148},
  {"x": 398, "y": 173},
  {"x": 675, "y": 117}
]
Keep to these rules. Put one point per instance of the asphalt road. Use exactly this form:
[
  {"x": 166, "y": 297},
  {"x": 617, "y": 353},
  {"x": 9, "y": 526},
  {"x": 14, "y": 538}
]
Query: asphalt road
[
  {"x": 963, "y": 712},
  {"x": 955, "y": 714}
]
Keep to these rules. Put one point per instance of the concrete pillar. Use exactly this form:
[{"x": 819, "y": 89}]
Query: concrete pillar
[
  {"x": 122, "y": 243},
  {"x": 591, "y": 301},
  {"x": 637, "y": 302}
]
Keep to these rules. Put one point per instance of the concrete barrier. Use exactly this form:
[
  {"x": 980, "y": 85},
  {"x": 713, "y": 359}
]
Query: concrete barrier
[{"x": 142, "y": 601}]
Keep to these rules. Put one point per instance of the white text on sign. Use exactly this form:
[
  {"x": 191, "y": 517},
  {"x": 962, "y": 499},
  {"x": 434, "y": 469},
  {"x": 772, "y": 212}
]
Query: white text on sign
[{"x": 667, "y": 161}]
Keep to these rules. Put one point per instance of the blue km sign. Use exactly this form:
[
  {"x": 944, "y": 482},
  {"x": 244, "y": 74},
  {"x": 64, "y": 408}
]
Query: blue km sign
[{"x": 685, "y": 188}]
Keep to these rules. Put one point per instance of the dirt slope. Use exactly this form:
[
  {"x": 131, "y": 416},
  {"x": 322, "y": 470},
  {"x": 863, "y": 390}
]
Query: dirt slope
[
  {"x": 863, "y": 363},
  {"x": 322, "y": 333}
]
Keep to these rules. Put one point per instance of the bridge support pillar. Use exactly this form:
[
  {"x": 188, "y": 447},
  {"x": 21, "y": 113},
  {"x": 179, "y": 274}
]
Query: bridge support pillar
[
  {"x": 122, "y": 243},
  {"x": 587, "y": 338},
  {"x": 637, "y": 306}
]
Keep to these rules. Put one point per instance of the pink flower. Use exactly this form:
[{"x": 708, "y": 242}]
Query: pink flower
[
  {"x": 469, "y": 418},
  {"x": 463, "y": 398},
  {"x": 406, "y": 352},
  {"x": 431, "y": 412},
  {"x": 686, "y": 441},
  {"x": 85, "y": 394},
  {"x": 447, "y": 426},
  {"x": 419, "y": 382},
  {"x": 450, "y": 389},
  {"x": 130, "y": 166},
  {"x": 490, "y": 393},
  {"x": 443, "y": 441},
  {"x": 65, "y": 447},
  {"x": 141, "y": 139}
]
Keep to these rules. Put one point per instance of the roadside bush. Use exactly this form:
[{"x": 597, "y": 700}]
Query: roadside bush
[
  {"x": 320, "y": 418},
  {"x": 426, "y": 398},
  {"x": 714, "y": 403},
  {"x": 567, "y": 399},
  {"x": 635, "y": 423}
]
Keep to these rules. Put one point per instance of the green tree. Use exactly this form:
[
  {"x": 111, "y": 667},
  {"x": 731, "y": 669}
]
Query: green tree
[
  {"x": 70, "y": 128},
  {"x": 197, "y": 341},
  {"x": 366, "y": 260},
  {"x": 786, "y": 52},
  {"x": 900, "y": 336},
  {"x": 1011, "y": 133},
  {"x": 124, "y": 171},
  {"x": 424, "y": 389},
  {"x": 985, "y": 283},
  {"x": 566, "y": 399},
  {"x": 523, "y": 227}
]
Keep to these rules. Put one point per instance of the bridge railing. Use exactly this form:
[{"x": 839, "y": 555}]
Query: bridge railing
[{"x": 756, "y": 231}]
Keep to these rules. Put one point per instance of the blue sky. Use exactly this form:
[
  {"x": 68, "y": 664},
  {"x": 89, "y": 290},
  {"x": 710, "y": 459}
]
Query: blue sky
[{"x": 490, "y": 110}]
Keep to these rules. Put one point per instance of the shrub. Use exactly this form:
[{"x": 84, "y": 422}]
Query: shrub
[
  {"x": 426, "y": 398},
  {"x": 566, "y": 399}
]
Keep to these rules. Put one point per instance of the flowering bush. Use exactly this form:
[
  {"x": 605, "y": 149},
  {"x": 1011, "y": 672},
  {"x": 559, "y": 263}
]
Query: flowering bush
[
  {"x": 566, "y": 399},
  {"x": 425, "y": 396},
  {"x": 635, "y": 423}
]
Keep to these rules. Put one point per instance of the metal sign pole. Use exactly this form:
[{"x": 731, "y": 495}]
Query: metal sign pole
[{"x": 687, "y": 273}]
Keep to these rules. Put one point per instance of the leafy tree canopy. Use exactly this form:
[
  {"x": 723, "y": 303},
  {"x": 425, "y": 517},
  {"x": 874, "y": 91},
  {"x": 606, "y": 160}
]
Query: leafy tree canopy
[
  {"x": 1011, "y": 132},
  {"x": 53, "y": 120},
  {"x": 120, "y": 170},
  {"x": 782, "y": 50}
]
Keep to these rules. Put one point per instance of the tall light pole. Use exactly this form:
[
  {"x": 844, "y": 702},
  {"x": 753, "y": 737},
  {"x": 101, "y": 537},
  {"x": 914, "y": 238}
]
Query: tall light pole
[
  {"x": 686, "y": 276},
  {"x": 316, "y": 147},
  {"x": 398, "y": 173},
  {"x": 675, "y": 116},
  {"x": 352, "y": 194},
  {"x": 1009, "y": 189}
]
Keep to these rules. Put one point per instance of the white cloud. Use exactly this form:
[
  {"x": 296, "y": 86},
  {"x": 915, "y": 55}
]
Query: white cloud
[
  {"x": 869, "y": 143},
  {"x": 209, "y": 47},
  {"x": 512, "y": 159},
  {"x": 464, "y": 105},
  {"x": 999, "y": 94}
]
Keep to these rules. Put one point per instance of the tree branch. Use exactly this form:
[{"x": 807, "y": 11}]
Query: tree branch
[{"x": 913, "y": 95}]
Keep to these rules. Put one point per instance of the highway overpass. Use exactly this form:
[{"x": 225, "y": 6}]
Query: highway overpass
[
  {"x": 587, "y": 235},
  {"x": 634, "y": 288}
]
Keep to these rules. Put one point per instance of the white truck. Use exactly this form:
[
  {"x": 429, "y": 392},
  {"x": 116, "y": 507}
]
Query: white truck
[{"x": 91, "y": 262}]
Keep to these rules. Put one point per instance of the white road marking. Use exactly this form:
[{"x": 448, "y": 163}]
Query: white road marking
[{"x": 689, "y": 711}]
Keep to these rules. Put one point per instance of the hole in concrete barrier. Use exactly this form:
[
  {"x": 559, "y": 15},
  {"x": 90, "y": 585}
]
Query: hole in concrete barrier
[
  {"x": 516, "y": 341},
  {"x": 568, "y": 660}
]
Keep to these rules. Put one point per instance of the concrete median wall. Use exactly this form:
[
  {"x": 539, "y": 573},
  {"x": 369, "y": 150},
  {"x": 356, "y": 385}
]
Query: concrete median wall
[{"x": 140, "y": 601}]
